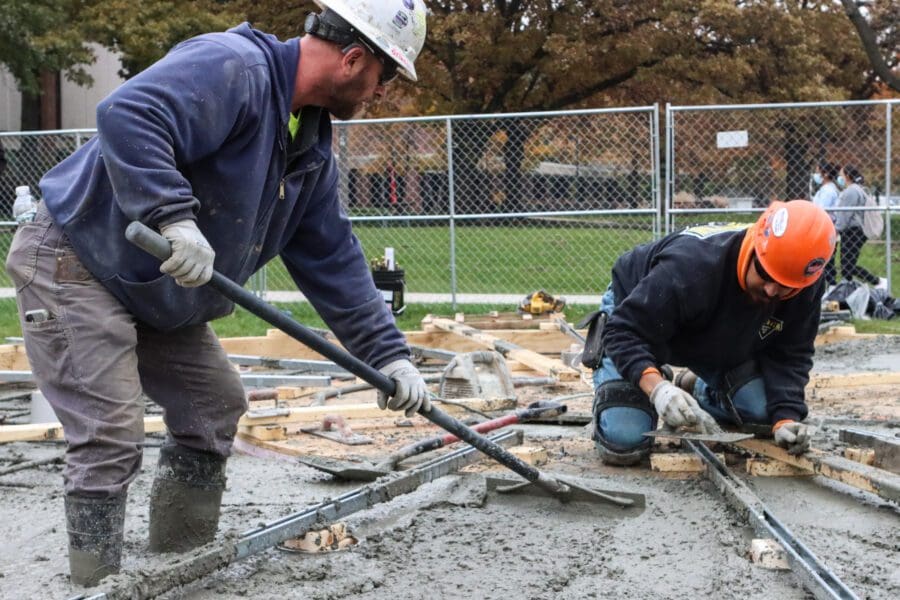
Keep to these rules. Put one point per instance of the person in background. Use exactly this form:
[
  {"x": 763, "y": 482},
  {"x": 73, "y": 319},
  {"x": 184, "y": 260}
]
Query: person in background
[
  {"x": 826, "y": 196},
  {"x": 849, "y": 225}
]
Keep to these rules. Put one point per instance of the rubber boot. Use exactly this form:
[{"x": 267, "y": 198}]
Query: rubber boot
[
  {"x": 185, "y": 499},
  {"x": 95, "y": 527}
]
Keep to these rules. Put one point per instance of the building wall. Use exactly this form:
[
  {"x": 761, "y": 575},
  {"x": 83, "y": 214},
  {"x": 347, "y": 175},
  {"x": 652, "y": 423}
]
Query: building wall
[
  {"x": 10, "y": 102},
  {"x": 77, "y": 104}
]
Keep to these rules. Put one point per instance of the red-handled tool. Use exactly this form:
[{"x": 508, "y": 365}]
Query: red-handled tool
[{"x": 542, "y": 409}]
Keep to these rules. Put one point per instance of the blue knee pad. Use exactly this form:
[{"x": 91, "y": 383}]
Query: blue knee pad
[{"x": 622, "y": 413}]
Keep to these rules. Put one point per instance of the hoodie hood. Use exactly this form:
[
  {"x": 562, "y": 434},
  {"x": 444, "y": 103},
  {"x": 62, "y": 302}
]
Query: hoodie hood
[{"x": 282, "y": 58}]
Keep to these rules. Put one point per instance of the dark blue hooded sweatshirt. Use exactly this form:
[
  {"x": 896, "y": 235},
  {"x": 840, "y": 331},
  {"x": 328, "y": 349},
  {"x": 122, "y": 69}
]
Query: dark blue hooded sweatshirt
[{"x": 202, "y": 134}]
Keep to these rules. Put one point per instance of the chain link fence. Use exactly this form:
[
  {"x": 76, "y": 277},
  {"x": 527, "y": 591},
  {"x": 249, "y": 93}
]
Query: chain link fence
[
  {"x": 487, "y": 208},
  {"x": 24, "y": 158},
  {"x": 727, "y": 163}
]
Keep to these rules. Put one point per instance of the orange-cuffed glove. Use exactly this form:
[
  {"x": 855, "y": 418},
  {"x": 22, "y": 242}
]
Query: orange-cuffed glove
[{"x": 792, "y": 435}]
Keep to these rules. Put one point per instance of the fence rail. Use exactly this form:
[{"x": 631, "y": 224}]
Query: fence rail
[{"x": 493, "y": 206}]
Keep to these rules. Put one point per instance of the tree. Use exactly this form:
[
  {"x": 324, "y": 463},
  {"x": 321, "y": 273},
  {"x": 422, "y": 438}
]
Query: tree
[
  {"x": 885, "y": 15},
  {"x": 142, "y": 32},
  {"x": 37, "y": 41}
]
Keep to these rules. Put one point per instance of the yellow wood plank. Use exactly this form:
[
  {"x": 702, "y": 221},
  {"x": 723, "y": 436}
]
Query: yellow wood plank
[
  {"x": 53, "y": 431},
  {"x": 549, "y": 366},
  {"x": 818, "y": 381},
  {"x": 871, "y": 479}
]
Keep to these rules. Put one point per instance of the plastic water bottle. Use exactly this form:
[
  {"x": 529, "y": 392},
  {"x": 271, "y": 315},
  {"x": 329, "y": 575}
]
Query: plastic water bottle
[{"x": 24, "y": 207}]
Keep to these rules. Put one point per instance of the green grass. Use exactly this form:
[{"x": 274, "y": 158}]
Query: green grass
[
  {"x": 501, "y": 259},
  {"x": 562, "y": 259}
]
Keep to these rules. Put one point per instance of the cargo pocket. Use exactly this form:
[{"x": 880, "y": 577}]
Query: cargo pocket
[{"x": 21, "y": 261}]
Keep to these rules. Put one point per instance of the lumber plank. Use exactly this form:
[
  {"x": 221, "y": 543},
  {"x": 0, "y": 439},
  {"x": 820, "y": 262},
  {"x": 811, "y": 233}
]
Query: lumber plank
[
  {"x": 838, "y": 468},
  {"x": 533, "y": 455},
  {"x": 269, "y": 417},
  {"x": 865, "y": 456},
  {"x": 769, "y": 467},
  {"x": 819, "y": 381},
  {"x": 264, "y": 432},
  {"x": 543, "y": 364},
  {"x": 36, "y": 432},
  {"x": 842, "y": 333},
  {"x": 544, "y": 342},
  {"x": 885, "y": 448},
  {"x": 13, "y": 358},
  {"x": 678, "y": 462}
]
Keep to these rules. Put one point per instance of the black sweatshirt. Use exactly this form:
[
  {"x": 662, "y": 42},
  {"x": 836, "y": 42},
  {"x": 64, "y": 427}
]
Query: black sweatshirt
[{"x": 679, "y": 302}]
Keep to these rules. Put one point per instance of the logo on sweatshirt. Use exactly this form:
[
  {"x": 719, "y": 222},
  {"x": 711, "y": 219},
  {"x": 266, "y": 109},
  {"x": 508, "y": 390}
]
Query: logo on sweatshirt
[{"x": 772, "y": 325}]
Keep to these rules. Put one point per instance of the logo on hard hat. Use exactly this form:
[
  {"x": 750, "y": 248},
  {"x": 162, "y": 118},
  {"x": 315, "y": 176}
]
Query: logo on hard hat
[
  {"x": 779, "y": 222},
  {"x": 814, "y": 266},
  {"x": 400, "y": 20}
]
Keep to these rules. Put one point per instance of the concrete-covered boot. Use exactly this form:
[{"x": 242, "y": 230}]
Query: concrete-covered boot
[
  {"x": 185, "y": 499},
  {"x": 95, "y": 527}
]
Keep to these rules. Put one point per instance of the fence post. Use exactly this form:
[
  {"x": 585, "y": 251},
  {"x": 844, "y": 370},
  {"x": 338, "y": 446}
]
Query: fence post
[
  {"x": 654, "y": 162},
  {"x": 665, "y": 212},
  {"x": 452, "y": 210},
  {"x": 887, "y": 192}
]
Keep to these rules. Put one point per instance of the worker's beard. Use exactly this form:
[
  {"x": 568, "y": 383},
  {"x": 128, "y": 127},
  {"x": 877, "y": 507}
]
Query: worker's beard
[{"x": 347, "y": 100}]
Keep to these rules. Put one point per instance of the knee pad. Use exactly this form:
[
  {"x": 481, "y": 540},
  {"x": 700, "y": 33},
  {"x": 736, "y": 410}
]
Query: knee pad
[{"x": 621, "y": 414}]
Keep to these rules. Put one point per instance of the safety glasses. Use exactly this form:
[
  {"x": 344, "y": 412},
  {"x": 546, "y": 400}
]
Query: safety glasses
[
  {"x": 388, "y": 67},
  {"x": 761, "y": 271}
]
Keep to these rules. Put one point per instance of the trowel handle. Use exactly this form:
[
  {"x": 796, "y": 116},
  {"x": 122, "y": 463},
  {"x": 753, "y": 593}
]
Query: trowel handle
[{"x": 144, "y": 237}]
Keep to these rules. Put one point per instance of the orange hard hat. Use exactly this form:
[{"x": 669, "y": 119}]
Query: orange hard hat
[{"x": 794, "y": 242}]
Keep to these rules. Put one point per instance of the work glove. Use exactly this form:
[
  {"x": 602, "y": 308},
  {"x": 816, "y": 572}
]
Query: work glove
[
  {"x": 411, "y": 392},
  {"x": 191, "y": 263},
  {"x": 792, "y": 435},
  {"x": 677, "y": 408}
]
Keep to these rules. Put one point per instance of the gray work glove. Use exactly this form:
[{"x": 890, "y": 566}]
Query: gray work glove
[
  {"x": 677, "y": 408},
  {"x": 793, "y": 435},
  {"x": 191, "y": 263},
  {"x": 411, "y": 392}
]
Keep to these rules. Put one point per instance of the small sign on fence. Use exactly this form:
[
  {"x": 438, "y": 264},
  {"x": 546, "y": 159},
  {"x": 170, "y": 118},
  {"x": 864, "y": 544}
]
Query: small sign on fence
[{"x": 732, "y": 139}]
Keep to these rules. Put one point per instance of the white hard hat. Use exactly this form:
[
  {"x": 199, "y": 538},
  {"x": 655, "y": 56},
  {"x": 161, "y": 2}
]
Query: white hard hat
[{"x": 397, "y": 27}]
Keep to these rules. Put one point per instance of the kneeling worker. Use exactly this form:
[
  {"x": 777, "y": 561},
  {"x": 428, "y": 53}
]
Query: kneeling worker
[{"x": 738, "y": 306}]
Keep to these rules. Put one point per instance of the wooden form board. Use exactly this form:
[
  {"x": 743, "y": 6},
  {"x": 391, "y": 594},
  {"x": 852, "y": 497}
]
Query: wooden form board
[
  {"x": 819, "y": 381},
  {"x": 303, "y": 414},
  {"x": 36, "y": 432},
  {"x": 499, "y": 320},
  {"x": 13, "y": 358},
  {"x": 543, "y": 364},
  {"x": 842, "y": 334},
  {"x": 871, "y": 479}
]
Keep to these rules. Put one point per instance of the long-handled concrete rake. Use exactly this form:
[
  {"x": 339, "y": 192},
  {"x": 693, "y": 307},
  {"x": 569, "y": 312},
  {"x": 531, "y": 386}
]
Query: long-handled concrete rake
[{"x": 147, "y": 239}]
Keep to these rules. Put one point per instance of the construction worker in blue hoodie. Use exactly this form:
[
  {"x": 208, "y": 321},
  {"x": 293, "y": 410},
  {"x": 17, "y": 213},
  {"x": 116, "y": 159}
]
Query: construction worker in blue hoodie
[
  {"x": 225, "y": 147},
  {"x": 737, "y": 306}
]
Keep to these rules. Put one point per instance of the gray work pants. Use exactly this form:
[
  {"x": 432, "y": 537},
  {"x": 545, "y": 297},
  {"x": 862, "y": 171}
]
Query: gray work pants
[{"x": 93, "y": 361}]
